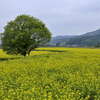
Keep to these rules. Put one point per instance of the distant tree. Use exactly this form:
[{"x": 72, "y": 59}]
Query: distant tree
[
  {"x": 97, "y": 46},
  {"x": 57, "y": 44},
  {"x": 24, "y": 34}
]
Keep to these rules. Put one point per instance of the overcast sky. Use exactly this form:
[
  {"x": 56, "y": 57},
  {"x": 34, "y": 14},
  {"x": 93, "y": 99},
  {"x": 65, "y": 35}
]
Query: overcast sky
[{"x": 62, "y": 17}]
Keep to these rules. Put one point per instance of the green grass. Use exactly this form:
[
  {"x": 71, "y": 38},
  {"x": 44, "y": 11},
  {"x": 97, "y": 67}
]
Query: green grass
[{"x": 63, "y": 74}]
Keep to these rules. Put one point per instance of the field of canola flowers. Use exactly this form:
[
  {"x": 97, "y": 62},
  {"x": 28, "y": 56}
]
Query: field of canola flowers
[{"x": 51, "y": 74}]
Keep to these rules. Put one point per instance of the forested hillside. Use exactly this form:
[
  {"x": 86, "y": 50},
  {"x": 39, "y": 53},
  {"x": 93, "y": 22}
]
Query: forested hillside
[
  {"x": 61, "y": 39},
  {"x": 90, "y": 38},
  {"x": 0, "y": 42}
]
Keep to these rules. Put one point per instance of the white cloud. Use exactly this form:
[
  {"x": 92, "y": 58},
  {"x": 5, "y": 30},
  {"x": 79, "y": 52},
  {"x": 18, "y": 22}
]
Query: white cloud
[{"x": 62, "y": 17}]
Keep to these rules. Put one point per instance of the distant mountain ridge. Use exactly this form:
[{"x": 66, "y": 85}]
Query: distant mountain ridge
[
  {"x": 61, "y": 39},
  {"x": 0, "y": 42},
  {"x": 93, "y": 33},
  {"x": 89, "y": 38}
]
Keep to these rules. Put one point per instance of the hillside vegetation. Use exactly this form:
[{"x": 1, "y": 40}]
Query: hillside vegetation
[
  {"x": 61, "y": 39},
  {"x": 91, "y": 38},
  {"x": 88, "y": 39},
  {"x": 51, "y": 74}
]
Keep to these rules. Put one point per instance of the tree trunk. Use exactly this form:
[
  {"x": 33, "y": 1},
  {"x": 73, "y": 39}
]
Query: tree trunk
[
  {"x": 32, "y": 48},
  {"x": 29, "y": 53},
  {"x": 24, "y": 53}
]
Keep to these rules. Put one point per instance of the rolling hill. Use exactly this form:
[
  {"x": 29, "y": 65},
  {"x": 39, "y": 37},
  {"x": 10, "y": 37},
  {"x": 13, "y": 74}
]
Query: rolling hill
[
  {"x": 61, "y": 39},
  {"x": 0, "y": 42},
  {"x": 90, "y": 38}
]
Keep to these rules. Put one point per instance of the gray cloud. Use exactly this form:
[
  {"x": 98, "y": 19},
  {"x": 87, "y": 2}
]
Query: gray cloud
[{"x": 62, "y": 17}]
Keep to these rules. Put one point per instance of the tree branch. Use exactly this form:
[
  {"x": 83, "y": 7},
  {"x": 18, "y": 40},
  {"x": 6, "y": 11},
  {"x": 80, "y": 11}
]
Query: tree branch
[{"x": 32, "y": 48}]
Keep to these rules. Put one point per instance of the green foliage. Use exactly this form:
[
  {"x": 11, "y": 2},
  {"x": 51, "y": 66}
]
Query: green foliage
[
  {"x": 24, "y": 34},
  {"x": 97, "y": 46},
  {"x": 61, "y": 39},
  {"x": 89, "y": 39},
  {"x": 85, "y": 40}
]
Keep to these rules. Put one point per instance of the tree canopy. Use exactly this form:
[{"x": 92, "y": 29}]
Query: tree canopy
[{"x": 24, "y": 34}]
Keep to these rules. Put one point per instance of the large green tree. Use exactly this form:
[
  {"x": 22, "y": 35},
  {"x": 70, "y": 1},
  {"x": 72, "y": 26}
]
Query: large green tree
[{"x": 24, "y": 34}]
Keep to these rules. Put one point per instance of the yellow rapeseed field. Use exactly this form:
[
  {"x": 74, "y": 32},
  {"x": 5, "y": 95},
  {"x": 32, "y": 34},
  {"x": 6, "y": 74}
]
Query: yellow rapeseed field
[{"x": 51, "y": 74}]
